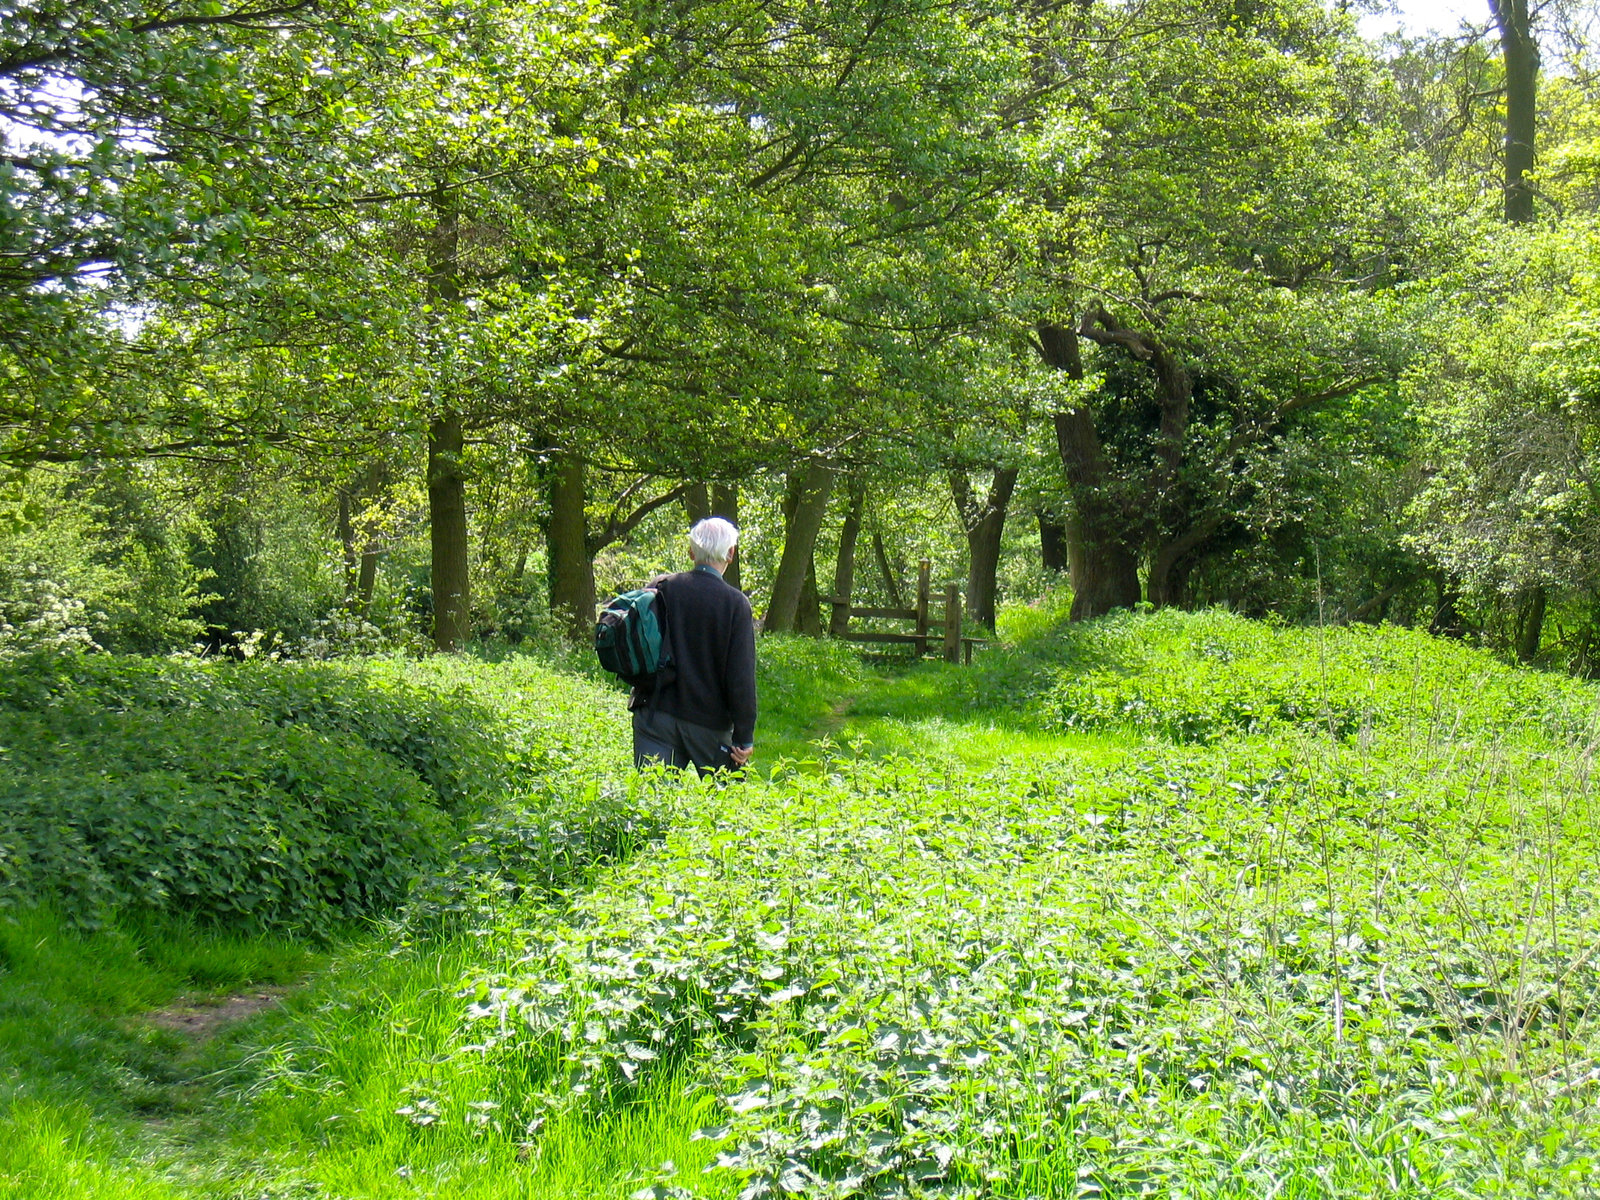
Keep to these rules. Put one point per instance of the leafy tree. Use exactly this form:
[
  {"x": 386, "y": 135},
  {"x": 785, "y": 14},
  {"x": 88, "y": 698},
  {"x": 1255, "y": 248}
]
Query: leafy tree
[
  {"x": 131, "y": 155},
  {"x": 1512, "y": 506},
  {"x": 97, "y": 557},
  {"x": 1515, "y": 449},
  {"x": 1226, "y": 253}
]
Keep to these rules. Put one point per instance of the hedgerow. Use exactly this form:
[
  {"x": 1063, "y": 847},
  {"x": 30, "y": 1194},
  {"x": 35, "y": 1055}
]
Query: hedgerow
[{"x": 447, "y": 737}]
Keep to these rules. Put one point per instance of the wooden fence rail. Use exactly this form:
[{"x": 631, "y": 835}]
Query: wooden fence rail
[{"x": 955, "y": 646}]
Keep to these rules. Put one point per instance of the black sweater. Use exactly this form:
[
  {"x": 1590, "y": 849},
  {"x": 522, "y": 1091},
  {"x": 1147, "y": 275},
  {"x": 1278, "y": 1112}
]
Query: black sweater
[{"x": 712, "y": 639}]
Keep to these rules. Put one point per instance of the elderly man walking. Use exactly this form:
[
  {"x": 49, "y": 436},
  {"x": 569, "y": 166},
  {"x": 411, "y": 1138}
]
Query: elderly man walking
[{"x": 701, "y": 713}]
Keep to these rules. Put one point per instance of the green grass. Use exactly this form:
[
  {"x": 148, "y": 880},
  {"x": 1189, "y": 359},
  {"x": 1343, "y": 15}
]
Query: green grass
[
  {"x": 361, "y": 1086},
  {"x": 85, "y": 1078},
  {"x": 1172, "y": 905},
  {"x": 65, "y": 990}
]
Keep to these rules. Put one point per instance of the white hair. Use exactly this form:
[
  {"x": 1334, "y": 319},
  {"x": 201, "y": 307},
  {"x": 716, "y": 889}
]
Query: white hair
[{"x": 712, "y": 540}]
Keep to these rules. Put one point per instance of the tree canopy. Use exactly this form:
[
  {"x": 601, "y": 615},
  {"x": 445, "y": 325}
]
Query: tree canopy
[{"x": 1238, "y": 306}]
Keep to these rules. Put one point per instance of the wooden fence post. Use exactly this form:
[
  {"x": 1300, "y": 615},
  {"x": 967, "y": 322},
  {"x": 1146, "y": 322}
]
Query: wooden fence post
[
  {"x": 924, "y": 569},
  {"x": 839, "y": 622},
  {"x": 952, "y": 623}
]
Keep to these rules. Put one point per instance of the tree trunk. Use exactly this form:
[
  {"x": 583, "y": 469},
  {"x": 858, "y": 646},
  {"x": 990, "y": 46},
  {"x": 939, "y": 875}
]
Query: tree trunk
[
  {"x": 1174, "y": 392},
  {"x": 1052, "y": 543},
  {"x": 1163, "y": 587},
  {"x": 347, "y": 545},
  {"x": 844, "y": 572},
  {"x": 369, "y": 535},
  {"x": 805, "y": 505},
  {"x": 1100, "y": 554},
  {"x": 725, "y": 504},
  {"x": 1520, "y": 56},
  {"x": 891, "y": 582},
  {"x": 367, "y": 579},
  {"x": 447, "y": 523},
  {"x": 1531, "y": 631},
  {"x": 1375, "y": 607},
  {"x": 1447, "y": 620},
  {"x": 572, "y": 597},
  {"x": 447, "y": 489},
  {"x": 697, "y": 503},
  {"x": 808, "y": 616},
  {"x": 984, "y": 524}
]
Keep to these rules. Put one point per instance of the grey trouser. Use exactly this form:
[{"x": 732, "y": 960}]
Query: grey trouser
[{"x": 662, "y": 737}]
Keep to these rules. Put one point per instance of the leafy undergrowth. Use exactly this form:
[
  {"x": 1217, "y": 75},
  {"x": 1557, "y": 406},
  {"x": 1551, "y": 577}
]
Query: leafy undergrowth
[
  {"x": 1298, "y": 971},
  {"x": 1198, "y": 677},
  {"x": 525, "y": 773},
  {"x": 266, "y": 795},
  {"x": 994, "y": 952},
  {"x": 1295, "y": 955}
]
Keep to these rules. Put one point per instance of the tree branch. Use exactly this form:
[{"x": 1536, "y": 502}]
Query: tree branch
[
  {"x": 1311, "y": 399},
  {"x": 616, "y": 530},
  {"x": 70, "y": 48}
]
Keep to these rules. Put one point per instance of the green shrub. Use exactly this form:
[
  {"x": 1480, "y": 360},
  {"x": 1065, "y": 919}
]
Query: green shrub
[
  {"x": 545, "y": 721},
  {"x": 453, "y": 742},
  {"x": 270, "y": 557},
  {"x": 93, "y": 559},
  {"x": 280, "y": 795},
  {"x": 216, "y": 815}
]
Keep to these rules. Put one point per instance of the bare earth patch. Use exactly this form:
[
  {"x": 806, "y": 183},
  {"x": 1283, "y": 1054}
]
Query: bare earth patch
[{"x": 203, "y": 1020}]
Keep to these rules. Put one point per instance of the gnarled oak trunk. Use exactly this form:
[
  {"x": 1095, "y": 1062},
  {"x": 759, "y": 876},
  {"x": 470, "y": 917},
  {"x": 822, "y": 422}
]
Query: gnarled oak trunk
[{"x": 1101, "y": 555}]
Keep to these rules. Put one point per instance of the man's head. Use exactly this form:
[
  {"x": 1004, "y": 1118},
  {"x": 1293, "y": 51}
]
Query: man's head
[{"x": 711, "y": 542}]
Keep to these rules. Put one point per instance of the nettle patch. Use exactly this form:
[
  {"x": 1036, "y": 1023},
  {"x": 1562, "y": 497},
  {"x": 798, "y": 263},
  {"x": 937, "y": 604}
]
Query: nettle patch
[
  {"x": 451, "y": 741},
  {"x": 221, "y": 817},
  {"x": 904, "y": 980},
  {"x": 1202, "y": 677},
  {"x": 286, "y": 796}
]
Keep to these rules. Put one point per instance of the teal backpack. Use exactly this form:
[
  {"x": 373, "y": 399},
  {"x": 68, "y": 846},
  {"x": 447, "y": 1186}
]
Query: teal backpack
[{"x": 627, "y": 637}]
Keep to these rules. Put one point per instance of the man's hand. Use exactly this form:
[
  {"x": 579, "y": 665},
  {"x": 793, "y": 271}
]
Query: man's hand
[{"x": 741, "y": 754}]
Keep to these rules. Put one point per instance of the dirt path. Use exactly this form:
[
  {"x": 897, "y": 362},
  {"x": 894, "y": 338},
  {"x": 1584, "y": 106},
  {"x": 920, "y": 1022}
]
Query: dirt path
[
  {"x": 202, "y": 1021},
  {"x": 831, "y": 724}
]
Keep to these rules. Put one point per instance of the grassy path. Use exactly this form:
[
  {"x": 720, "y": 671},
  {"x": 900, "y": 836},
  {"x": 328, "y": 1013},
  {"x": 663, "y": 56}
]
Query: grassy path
[{"x": 922, "y": 710}]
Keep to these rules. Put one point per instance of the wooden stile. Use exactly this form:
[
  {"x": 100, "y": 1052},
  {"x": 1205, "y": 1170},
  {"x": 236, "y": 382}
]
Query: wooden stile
[
  {"x": 924, "y": 571},
  {"x": 952, "y": 623},
  {"x": 955, "y": 647}
]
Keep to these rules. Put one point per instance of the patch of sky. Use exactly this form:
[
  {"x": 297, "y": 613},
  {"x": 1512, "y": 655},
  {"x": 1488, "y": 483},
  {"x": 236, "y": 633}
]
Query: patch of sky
[{"x": 1414, "y": 18}]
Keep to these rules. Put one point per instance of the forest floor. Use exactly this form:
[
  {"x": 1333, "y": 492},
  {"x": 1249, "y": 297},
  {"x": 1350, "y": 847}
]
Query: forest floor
[{"x": 1204, "y": 909}]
